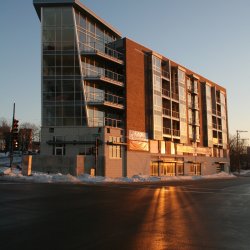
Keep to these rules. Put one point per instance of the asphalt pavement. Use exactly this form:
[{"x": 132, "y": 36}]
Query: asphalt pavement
[{"x": 202, "y": 214}]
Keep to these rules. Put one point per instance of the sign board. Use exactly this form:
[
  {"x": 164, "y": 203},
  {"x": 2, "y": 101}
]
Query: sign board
[
  {"x": 138, "y": 145},
  {"x": 137, "y": 135}
]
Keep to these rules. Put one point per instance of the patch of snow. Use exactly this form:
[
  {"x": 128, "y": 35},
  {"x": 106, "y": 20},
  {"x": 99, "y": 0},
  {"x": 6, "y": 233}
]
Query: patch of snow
[
  {"x": 15, "y": 174},
  {"x": 242, "y": 173}
]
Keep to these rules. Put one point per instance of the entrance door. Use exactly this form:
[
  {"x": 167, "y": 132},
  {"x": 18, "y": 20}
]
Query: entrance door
[
  {"x": 58, "y": 150},
  {"x": 154, "y": 169},
  {"x": 195, "y": 169}
]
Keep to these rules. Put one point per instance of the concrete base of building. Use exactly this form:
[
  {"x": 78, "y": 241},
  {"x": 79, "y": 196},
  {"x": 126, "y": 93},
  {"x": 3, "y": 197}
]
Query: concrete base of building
[
  {"x": 54, "y": 164},
  {"x": 137, "y": 163}
]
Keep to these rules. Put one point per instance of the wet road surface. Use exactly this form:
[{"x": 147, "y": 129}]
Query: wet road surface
[{"x": 205, "y": 214}]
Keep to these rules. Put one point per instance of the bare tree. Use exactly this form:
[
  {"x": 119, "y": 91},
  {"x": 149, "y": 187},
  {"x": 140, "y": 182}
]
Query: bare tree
[
  {"x": 5, "y": 128},
  {"x": 237, "y": 153}
]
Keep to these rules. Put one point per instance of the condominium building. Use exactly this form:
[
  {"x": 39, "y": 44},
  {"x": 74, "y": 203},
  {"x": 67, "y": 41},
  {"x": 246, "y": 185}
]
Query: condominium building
[{"x": 126, "y": 108}]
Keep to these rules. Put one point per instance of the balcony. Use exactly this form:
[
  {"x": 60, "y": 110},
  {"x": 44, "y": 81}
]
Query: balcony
[
  {"x": 106, "y": 99},
  {"x": 110, "y": 122},
  {"x": 176, "y": 132},
  {"x": 168, "y": 131},
  {"x": 216, "y": 112},
  {"x": 166, "y": 112},
  {"x": 175, "y": 96},
  {"x": 193, "y": 122},
  {"x": 101, "y": 122},
  {"x": 103, "y": 75},
  {"x": 101, "y": 50},
  {"x": 193, "y": 90},
  {"x": 218, "y": 99},
  {"x": 217, "y": 141},
  {"x": 165, "y": 74},
  {"x": 175, "y": 114},
  {"x": 194, "y": 106},
  {"x": 165, "y": 93}
]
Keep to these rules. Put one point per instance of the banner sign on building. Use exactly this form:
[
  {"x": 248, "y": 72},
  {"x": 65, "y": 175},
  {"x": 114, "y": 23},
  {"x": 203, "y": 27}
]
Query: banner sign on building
[
  {"x": 138, "y": 145},
  {"x": 137, "y": 135}
]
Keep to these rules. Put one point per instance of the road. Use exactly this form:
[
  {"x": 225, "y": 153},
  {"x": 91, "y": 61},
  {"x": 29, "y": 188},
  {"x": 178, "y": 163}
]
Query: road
[{"x": 204, "y": 214}]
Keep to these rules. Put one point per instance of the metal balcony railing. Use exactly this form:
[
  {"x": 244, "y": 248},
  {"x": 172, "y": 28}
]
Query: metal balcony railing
[
  {"x": 166, "y": 111},
  {"x": 175, "y": 96},
  {"x": 193, "y": 89},
  {"x": 174, "y": 132},
  {"x": 100, "y": 72},
  {"x": 100, "y": 122},
  {"x": 193, "y": 106},
  {"x": 175, "y": 114},
  {"x": 216, "y": 112},
  {"x": 166, "y": 131},
  {"x": 165, "y": 74},
  {"x": 101, "y": 47},
  {"x": 102, "y": 97},
  {"x": 165, "y": 92},
  {"x": 113, "y": 122}
]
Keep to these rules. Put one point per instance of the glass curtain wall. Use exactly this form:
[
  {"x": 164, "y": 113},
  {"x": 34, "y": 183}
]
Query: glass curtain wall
[
  {"x": 224, "y": 120},
  {"x": 62, "y": 99},
  {"x": 91, "y": 38},
  {"x": 182, "y": 106},
  {"x": 209, "y": 116},
  {"x": 157, "y": 98}
]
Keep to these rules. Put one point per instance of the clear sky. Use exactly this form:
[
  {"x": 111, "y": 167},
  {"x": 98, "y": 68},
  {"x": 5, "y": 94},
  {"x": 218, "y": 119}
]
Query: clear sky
[{"x": 211, "y": 38}]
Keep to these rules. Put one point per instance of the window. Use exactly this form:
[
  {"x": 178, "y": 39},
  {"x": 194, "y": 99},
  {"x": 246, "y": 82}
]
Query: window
[
  {"x": 180, "y": 168},
  {"x": 114, "y": 149},
  {"x": 157, "y": 83},
  {"x": 195, "y": 169},
  {"x": 59, "y": 146},
  {"x": 156, "y": 64},
  {"x": 181, "y": 76}
]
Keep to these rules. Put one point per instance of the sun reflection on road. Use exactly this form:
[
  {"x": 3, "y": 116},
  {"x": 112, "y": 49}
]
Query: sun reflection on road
[{"x": 157, "y": 229}]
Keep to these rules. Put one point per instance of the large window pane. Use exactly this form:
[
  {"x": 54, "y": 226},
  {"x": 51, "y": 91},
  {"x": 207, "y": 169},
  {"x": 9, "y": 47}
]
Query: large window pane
[
  {"x": 67, "y": 17},
  {"x": 67, "y": 35},
  {"x": 49, "y": 60},
  {"x": 68, "y": 111},
  {"x": 49, "y": 86},
  {"x": 68, "y": 85},
  {"x": 49, "y": 18},
  {"x": 49, "y": 35},
  {"x": 68, "y": 60}
]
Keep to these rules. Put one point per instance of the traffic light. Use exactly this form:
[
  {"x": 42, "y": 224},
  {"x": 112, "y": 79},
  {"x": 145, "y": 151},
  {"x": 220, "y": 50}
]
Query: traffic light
[
  {"x": 15, "y": 134},
  {"x": 15, "y": 144},
  {"x": 15, "y": 126}
]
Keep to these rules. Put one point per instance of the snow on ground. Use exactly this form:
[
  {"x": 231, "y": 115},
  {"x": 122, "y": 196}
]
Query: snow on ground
[
  {"x": 243, "y": 173},
  {"x": 15, "y": 175}
]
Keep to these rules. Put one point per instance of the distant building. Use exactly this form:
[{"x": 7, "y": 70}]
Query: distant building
[{"x": 145, "y": 113}]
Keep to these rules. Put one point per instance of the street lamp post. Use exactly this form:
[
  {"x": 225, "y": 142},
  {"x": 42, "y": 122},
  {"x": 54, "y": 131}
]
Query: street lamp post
[{"x": 237, "y": 146}]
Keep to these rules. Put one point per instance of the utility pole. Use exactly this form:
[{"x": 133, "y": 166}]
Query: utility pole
[
  {"x": 11, "y": 137},
  {"x": 237, "y": 147}
]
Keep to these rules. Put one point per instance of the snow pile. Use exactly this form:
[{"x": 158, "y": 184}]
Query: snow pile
[
  {"x": 243, "y": 173},
  {"x": 15, "y": 175}
]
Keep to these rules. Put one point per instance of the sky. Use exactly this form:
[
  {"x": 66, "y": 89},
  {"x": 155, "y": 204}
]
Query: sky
[{"x": 211, "y": 38}]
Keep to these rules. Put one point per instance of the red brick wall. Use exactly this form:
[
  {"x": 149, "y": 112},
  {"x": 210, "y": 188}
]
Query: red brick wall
[{"x": 135, "y": 86}]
